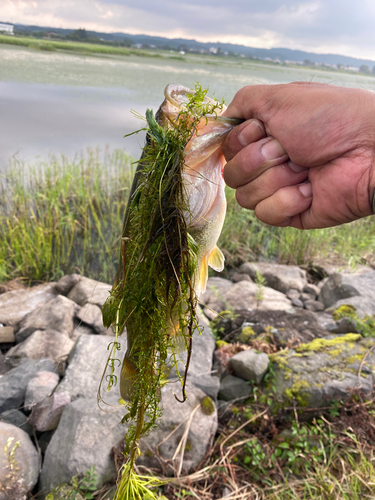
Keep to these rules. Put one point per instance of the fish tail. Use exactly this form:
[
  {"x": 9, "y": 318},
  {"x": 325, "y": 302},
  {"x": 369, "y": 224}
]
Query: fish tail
[{"x": 128, "y": 375}]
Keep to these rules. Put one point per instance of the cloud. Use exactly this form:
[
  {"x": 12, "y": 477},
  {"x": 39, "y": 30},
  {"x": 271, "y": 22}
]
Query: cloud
[{"x": 340, "y": 26}]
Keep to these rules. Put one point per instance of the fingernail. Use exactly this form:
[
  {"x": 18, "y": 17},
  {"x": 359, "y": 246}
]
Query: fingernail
[
  {"x": 251, "y": 133},
  {"x": 295, "y": 167},
  {"x": 272, "y": 150},
  {"x": 306, "y": 189}
]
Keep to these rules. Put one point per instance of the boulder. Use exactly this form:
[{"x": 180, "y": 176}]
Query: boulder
[
  {"x": 66, "y": 283},
  {"x": 15, "y": 305},
  {"x": 207, "y": 383},
  {"x": 364, "y": 305},
  {"x": 91, "y": 315},
  {"x": 7, "y": 335},
  {"x": 164, "y": 442},
  {"x": 247, "y": 295},
  {"x": 213, "y": 296},
  {"x": 86, "y": 364},
  {"x": 313, "y": 290},
  {"x": 14, "y": 383},
  {"x": 46, "y": 413},
  {"x": 39, "y": 387},
  {"x": 343, "y": 286},
  {"x": 18, "y": 473},
  {"x": 88, "y": 290},
  {"x": 324, "y": 370},
  {"x": 56, "y": 315},
  {"x": 314, "y": 305},
  {"x": 44, "y": 344},
  {"x": 237, "y": 277},
  {"x": 84, "y": 437},
  {"x": 17, "y": 418},
  {"x": 250, "y": 365},
  {"x": 278, "y": 276},
  {"x": 234, "y": 388}
]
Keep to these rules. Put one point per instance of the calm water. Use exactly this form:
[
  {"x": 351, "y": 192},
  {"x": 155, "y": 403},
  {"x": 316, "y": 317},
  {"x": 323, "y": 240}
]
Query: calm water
[{"x": 63, "y": 103}]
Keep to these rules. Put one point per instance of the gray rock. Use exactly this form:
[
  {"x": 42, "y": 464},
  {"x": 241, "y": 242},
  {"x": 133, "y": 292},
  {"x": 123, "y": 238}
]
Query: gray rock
[
  {"x": 39, "y": 387},
  {"x": 250, "y": 365},
  {"x": 91, "y": 315},
  {"x": 344, "y": 286},
  {"x": 364, "y": 305},
  {"x": 81, "y": 328},
  {"x": 15, "y": 305},
  {"x": 293, "y": 293},
  {"x": 306, "y": 296},
  {"x": 311, "y": 289},
  {"x": 314, "y": 305},
  {"x": 85, "y": 437},
  {"x": 46, "y": 414},
  {"x": 213, "y": 296},
  {"x": 315, "y": 374},
  {"x": 297, "y": 302},
  {"x": 7, "y": 335},
  {"x": 13, "y": 384},
  {"x": 207, "y": 383},
  {"x": 237, "y": 277},
  {"x": 202, "y": 352},
  {"x": 17, "y": 418},
  {"x": 15, "y": 484},
  {"x": 202, "y": 430},
  {"x": 88, "y": 290},
  {"x": 343, "y": 325},
  {"x": 278, "y": 276},
  {"x": 243, "y": 295},
  {"x": 56, "y": 315},
  {"x": 66, "y": 283},
  {"x": 233, "y": 388},
  {"x": 86, "y": 364},
  {"x": 45, "y": 344}
]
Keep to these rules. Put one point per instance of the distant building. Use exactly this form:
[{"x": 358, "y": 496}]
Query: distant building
[{"x": 6, "y": 29}]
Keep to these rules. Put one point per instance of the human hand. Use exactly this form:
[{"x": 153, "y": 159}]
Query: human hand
[{"x": 305, "y": 156}]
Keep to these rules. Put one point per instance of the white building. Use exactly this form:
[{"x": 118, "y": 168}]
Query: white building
[{"x": 6, "y": 29}]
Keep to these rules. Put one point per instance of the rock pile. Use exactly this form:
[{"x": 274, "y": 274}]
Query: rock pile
[{"x": 269, "y": 319}]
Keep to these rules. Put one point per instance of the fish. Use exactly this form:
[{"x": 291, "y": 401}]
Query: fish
[{"x": 204, "y": 190}]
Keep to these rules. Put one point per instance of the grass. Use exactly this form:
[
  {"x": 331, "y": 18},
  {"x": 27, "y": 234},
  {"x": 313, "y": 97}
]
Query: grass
[
  {"x": 86, "y": 48},
  {"x": 65, "y": 216}
]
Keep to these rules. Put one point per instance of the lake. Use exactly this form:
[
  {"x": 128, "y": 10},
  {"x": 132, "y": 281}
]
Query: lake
[{"x": 63, "y": 103}]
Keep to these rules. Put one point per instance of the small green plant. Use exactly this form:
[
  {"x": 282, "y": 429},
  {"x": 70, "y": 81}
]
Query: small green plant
[
  {"x": 366, "y": 325},
  {"x": 260, "y": 282},
  {"x": 79, "y": 488}
]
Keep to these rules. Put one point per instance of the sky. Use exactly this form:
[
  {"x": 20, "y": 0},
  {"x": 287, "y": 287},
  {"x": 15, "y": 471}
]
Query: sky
[{"x": 324, "y": 26}]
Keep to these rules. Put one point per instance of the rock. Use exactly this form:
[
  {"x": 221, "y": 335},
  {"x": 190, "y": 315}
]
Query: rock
[
  {"x": 237, "y": 277},
  {"x": 202, "y": 352},
  {"x": 81, "y": 328},
  {"x": 46, "y": 414},
  {"x": 86, "y": 364},
  {"x": 322, "y": 371},
  {"x": 250, "y": 365},
  {"x": 365, "y": 306},
  {"x": 293, "y": 293},
  {"x": 297, "y": 302},
  {"x": 343, "y": 325},
  {"x": 84, "y": 437},
  {"x": 207, "y": 383},
  {"x": 7, "y": 335},
  {"x": 45, "y": 344},
  {"x": 344, "y": 286},
  {"x": 278, "y": 276},
  {"x": 56, "y": 315},
  {"x": 91, "y": 315},
  {"x": 88, "y": 290},
  {"x": 314, "y": 305},
  {"x": 234, "y": 388},
  {"x": 213, "y": 296},
  {"x": 66, "y": 283},
  {"x": 13, "y": 384},
  {"x": 243, "y": 295},
  {"x": 17, "y": 418},
  {"x": 39, "y": 387},
  {"x": 311, "y": 289},
  {"x": 17, "y": 480},
  {"x": 202, "y": 431},
  {"x": 306, "y": 296},
  {"x": 15, "y": 305}
]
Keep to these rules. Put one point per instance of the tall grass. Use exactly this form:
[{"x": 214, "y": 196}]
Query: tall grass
[{"x": 63, "y": 216}]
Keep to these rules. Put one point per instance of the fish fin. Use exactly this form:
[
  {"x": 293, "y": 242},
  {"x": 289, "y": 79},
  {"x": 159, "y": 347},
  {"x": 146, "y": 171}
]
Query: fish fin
[
  {"x": 127, "y": 376},
  {"x": 216, "y": 259}
]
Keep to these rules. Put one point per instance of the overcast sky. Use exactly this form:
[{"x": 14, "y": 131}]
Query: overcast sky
[{"x": 326, "y": 26}]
